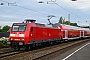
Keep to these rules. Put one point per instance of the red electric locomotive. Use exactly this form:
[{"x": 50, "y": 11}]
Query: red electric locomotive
[{"x": 30, "y": 33}]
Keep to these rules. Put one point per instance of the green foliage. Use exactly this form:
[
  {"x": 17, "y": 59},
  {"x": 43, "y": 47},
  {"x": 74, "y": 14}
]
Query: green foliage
[
  {"x": 84, "y": 26},
  {"x": 73, "y": 24},
  {"x": 5, "y": 28},
  {"x": 62, "y": 21},
  {"x": 3, "y": 41},
  {"x": 66, "y": 22},
  {"x": 0, "y": 30}
]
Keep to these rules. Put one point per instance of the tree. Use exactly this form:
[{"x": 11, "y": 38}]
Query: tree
[
  {"x": 5, "y": 28},
  {"x": 0, "y": 29},
  {"x": 60, "y": 20},
  {"x": 73, "y": 24},
  {"x": 84, "y": 26},
  {"x": 66, "y": 22}
]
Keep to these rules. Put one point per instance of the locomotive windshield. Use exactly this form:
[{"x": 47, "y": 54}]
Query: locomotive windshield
[{"x": 19, "y": 27}]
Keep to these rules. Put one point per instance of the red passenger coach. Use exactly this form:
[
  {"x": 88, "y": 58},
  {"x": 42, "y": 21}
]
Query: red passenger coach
[
  {"x": 85, "y": 32},
  {"x": 30, "y": 33},
  {"x": 69, "y": 32}
]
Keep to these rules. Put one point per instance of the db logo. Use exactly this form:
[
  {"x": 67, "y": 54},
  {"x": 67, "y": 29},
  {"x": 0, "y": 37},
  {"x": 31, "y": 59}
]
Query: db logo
[{"x": 17, "y": 32}]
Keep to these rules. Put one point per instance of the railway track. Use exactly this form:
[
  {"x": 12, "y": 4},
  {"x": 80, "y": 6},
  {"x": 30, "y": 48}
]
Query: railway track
[
  {"x": 4, "y": 49},
  {"x": 4, "y": 46},
  {"x": 9, "y": 53},
  {"x": 39, "y": 53}
]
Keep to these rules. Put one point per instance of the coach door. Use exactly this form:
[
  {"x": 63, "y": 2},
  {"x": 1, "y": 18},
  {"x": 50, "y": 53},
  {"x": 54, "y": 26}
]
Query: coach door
[
  {"x": 32, "y": 33},
  {"x": 81, "y": 33},
  {"x": 66, "y": 34}
]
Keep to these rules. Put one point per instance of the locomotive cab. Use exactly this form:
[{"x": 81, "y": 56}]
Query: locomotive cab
[{"x": 19, "y": 33}]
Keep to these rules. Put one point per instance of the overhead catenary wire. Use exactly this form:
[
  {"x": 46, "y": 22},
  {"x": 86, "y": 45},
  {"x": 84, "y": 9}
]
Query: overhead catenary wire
[
  {"x": 67, "y": 10},
  {"x": 54, "y": 2},
  {"x": 79, "y": 10},
  {"x": 13, "y": 13},
  {"x": 27, "y": 8},
  {"x": 23, "y": 8},
  {"x": 43, "y": 12},
  {"x": 32, "y": 10}
]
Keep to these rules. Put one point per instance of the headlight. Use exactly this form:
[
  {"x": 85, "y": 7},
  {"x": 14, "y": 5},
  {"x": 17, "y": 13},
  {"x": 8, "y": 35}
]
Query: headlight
[
  {"x": 20, "y": 43},
  {"x": 11, "y": 39},
  {"x": 8, "y": 42},
  {"x": 22, "y": 39},
  {"x": 21, "y": 35}
]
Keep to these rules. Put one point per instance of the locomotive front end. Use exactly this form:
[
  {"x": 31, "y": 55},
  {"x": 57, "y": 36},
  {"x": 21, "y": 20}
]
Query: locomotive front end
[{"x": 17, "y": 35}]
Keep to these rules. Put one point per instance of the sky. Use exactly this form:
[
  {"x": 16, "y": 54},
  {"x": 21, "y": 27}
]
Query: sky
[{"x": 20, "y": 10}]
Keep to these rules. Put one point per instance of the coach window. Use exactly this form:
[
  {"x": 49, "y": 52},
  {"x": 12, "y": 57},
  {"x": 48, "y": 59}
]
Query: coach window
[{"x": 81, "y": 33}]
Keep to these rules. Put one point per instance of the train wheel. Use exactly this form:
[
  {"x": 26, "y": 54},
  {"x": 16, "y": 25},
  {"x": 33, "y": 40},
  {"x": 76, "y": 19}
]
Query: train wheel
[
  {"x": 18, "y": 47},
  {"x": 30, "y": 47},
  {"x": 13, "y": 46},
  {"x": 51, "y": 43},
  {"x": 26, "y": 47}
]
